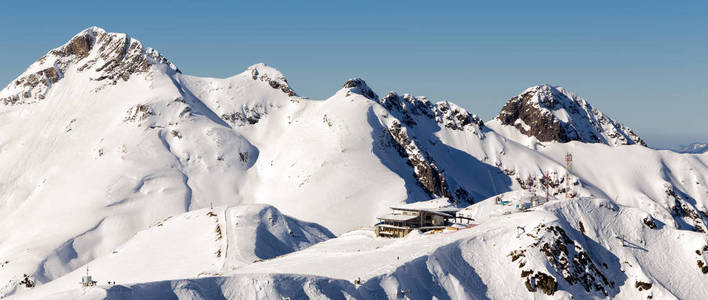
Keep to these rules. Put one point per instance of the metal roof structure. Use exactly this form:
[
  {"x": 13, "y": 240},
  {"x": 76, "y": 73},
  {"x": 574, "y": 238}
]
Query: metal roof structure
[
  {"x": 443, "y": 212},
  {"x": 397, "y": 217},
  {"x": 439, "y": 206}
]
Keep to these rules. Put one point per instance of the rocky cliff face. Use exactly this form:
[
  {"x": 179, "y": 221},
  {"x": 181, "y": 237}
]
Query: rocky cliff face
[
  {"x": 358, "y": 86},
  {"x": 104, "y": 56},
  {"x": 415, "y": 118},
  {"x": 552, "y": 113},
  {"x": 408, "y": 108}
]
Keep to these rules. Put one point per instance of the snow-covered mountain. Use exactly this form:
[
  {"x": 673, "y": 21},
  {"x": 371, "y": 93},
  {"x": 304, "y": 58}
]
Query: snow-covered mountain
[
  {"x": 552, "y": 113},
  {"x": 203, "y": 188},
  {"x": 692, "y": 148},
  {"x": 104, "y": 57}
]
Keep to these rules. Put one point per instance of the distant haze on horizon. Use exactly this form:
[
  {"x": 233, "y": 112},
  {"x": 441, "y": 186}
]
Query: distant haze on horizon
[{"x": 642, "y": 63}]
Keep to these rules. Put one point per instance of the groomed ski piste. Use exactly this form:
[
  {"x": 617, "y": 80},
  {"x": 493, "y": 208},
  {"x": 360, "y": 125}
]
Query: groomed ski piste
[{"x": 174, "y": 186}]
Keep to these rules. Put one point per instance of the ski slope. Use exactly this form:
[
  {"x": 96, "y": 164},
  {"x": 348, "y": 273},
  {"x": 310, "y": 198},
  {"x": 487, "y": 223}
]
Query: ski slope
[{"x": 473, "y": 263}]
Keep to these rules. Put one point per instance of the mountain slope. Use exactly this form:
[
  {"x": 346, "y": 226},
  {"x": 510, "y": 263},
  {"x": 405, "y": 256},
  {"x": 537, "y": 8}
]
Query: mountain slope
[
  {"x": 114, "y": 157},
  {"x": 205, "y": 242},
  {"x": 563, "y": 249}
]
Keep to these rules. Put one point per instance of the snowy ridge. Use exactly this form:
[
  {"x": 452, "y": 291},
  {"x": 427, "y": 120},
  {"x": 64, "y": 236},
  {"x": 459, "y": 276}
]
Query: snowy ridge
[
  {"x": 552, "y": 113},
  {"x": 221, "y": 239},
  {"x": 104, "y": 56},
  {"x": 695, "y": 148},
  {"x": 120, "y": 155},
  {"x": 408, "y": 108}
]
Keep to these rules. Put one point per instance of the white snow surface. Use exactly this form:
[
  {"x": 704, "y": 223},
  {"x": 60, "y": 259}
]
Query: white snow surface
[
  {"x": 121, "y": 175},
  {"x": 472, "y": 263}
]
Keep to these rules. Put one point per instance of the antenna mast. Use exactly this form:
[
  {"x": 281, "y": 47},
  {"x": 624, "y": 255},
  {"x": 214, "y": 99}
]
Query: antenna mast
[
  {"x": 532, "y": 190},
  {"x": 568, "y": 167},
  {"x": 547, "y": 178}
]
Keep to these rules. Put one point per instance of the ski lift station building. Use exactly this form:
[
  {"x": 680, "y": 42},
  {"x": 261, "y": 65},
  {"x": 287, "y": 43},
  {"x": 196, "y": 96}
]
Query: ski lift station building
[{"x": 424, "y": 216}]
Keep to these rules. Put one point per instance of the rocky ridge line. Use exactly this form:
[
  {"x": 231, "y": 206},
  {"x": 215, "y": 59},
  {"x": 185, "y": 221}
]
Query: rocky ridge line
[{"x": 107, "y": 57}]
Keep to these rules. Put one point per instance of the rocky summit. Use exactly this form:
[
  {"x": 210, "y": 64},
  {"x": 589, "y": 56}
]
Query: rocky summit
[
  {"x": 552, "y": 113},
  {"x": 105, "y": 57}
]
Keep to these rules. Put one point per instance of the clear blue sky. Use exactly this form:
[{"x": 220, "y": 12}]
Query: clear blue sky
[{"x": 644, "y": 63}]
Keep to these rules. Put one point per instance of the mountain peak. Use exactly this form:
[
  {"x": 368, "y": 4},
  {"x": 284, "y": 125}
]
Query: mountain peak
[
  {"x": 552, "y": 113},
  {"x": 359, "y": 86},
  {"x": 103, "y": 56},
  {"x": 264, "y": 69},
  {"x": 550, "y": 96},
  {"x": 83, "y": 41},
  {"x": 272, "y": 76}
]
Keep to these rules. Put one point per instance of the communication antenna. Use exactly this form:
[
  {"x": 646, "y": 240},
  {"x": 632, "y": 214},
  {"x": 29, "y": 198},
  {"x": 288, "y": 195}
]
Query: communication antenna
[
  {"x": 532, "y": 190},
  {"x": 87, "y": 281},
  {"x": 547, "y": 178},
  {"x": 568, "y": 167}
]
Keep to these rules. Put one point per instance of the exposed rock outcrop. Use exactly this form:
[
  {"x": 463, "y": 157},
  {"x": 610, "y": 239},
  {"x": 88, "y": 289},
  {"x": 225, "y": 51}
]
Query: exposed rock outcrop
[
  {"x": 552, "y": 113},
  {"x": 685, "y": 213},
  {"x": 358, "y": 86},
  {"x": 248, "y": 115},
  {"x": 408, "y": 108},
  {"x": 138, "y": 113},
  {"x": 427, "y": 173},
  {"x": 566, "y": 257},
  {"x": 424, "y": 168},
  {"x": 271, "y": 76},
  {"x": 106, "y": 57}
]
